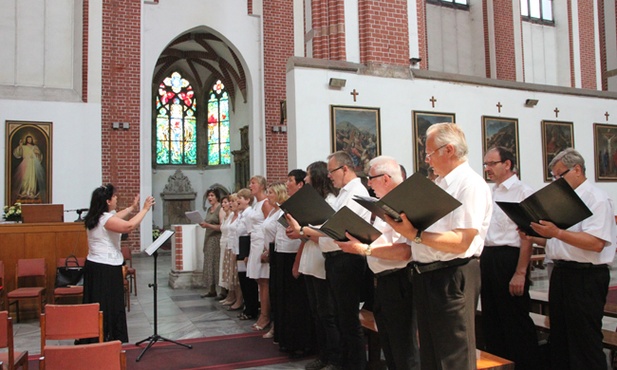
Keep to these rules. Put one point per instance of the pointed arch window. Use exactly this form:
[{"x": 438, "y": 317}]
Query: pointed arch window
[
  {"x": 176, "y": 125},
  {"x": 219, "y": 148}
]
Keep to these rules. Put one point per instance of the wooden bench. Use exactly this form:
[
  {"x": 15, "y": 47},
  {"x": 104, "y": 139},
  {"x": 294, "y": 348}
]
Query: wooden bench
[
  {"x": 540, "y": 300},
  {"x": 484, "y": 360},
  {"x": 542, "y": 323}
]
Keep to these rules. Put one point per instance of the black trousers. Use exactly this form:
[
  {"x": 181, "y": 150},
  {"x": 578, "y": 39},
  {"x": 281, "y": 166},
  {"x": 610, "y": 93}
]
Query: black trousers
[
  {"x": 250, "y": 294},
  {"x": 508, "y": 330},
  {"x": 323, "y": 313},
  {"x": 290, "y": 305},
  {"x": 446, "y": 300},
  {"x": 345, "y": 275},
  {"x": 395, "y": 315},
  {"x": 576, "y": 301}
]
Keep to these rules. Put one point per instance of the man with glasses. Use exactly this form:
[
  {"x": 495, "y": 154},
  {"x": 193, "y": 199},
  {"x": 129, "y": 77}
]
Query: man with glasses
[
  {"x": 344, "y": 271},
  {"x": 508, "y": 330},
  {"x": 446, "y": 278},
  {"x": 388, "y": 257},
  {"x": 579, "y": 282}
]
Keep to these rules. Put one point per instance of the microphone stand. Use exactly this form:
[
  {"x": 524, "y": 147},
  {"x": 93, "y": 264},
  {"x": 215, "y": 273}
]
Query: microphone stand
[{"x": 156, "y": 337}]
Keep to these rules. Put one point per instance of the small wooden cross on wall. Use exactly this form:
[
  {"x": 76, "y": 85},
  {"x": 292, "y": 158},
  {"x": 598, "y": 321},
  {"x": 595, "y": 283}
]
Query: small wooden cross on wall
[
  {"x": 354, "y": 93},
  {"x": 433, "y": 100},
  {"x": 499, "y": 106},
  {"x": 556, "y": 112},
  {"x": 606, "y": 115}
]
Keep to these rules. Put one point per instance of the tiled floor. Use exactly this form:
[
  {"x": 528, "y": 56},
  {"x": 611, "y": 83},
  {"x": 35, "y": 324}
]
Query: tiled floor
[{"x": 183, "y": 314}]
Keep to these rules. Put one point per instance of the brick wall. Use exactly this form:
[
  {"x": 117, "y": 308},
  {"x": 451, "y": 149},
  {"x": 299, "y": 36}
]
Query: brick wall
[
  {"x": 278, "y": 48},
  {"x": 328, "y": 28},
  {"x": 384, "y": 34},
  {"x": 587, "y": 39},
  {"x": 120, "y": 100},
  {"x": 422, "y": 36},
  {"x": 504, "y": 40},
  {"x": 571, "y": 44},
  {"x": 603, "y": 46}
]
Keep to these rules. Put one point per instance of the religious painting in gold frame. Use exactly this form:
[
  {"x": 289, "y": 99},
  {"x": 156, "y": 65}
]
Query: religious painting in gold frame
[
  {"x": 499, "y": 131},
  {"x": 556, "y": 136},
  {"x": 356, "y": 131},
  {"x": 605, "y": 151},
  {"x": 421, "y": 123},
  {"x": 28, "y": 162}
]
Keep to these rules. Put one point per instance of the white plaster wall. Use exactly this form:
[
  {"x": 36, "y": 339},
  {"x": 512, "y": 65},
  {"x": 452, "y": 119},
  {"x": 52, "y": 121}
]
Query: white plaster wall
[
  {"x": 352, "y": 31},
  {"x": 541, "y": 54},
  {"x": 455, "y": 39},
  {"x": 244, "y": 35},
  {"x": 192, "y": 248},
  {"x": 76, "y": 147},
  {"x": 310, "y": 139}
]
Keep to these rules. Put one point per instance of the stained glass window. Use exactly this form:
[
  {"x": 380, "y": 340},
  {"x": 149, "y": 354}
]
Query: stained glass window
[
  {"x": 176, "y": 126},
  {"x": 219, "y": 149}
]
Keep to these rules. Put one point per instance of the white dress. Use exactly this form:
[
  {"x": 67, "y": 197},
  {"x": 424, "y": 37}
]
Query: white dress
[{"x": 253, "y": 266}]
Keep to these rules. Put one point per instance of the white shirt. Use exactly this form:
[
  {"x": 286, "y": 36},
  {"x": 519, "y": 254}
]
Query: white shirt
[
  {"x": 388, "y": 236},
  {"x": 502, "y": 230},
  {"x": 103, "y": 244},
  {"x": 345, "y": 198},
  {"x": 312, "y": 261},
  {"x": 600, "y": 224},
  {"x": 475, "y": 213},
  {"x": 282, "y": 244}
]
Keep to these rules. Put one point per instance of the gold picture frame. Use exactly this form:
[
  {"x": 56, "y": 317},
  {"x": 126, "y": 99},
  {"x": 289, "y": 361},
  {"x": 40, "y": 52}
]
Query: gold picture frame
[
  {"x": 556, "y": 136},
  {"x": 605, "y": 151},
  {"x": 28, "y": 162},
  {"x": 500, "y": 131},
  {"x": 421, "y": 122},
  {"x": 356, "y": 131}
]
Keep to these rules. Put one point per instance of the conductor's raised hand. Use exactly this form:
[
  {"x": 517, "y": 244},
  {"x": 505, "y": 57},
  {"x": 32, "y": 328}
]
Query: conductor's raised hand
[
  {"x": 148, "y": 203},
  {"x": 403, "y": 227}
]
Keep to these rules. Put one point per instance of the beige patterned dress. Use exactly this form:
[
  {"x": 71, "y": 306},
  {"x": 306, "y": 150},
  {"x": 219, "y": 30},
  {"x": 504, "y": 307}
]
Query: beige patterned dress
[{"x": 212, "y": 249}]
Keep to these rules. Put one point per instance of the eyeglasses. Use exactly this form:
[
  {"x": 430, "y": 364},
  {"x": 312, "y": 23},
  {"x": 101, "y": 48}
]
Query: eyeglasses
[
  {"x": 336, "y": 169},
  {"x": 557, "y": 177},
  {"x": 428, "y": 155},
  {"x": 491, "y": 163},
  {"x": 369, "y": 177}
]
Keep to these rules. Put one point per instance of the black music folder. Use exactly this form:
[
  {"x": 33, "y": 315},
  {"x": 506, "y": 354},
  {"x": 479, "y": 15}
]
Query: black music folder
[
  {"x": 346, "y": 220},
  {"x": 307, "y": 207},
  {"x": 419, "y": 198},
  {"x": 556, "y": 202}
]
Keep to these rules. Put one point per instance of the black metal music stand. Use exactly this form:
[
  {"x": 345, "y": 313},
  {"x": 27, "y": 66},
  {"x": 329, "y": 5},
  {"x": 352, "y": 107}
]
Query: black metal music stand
[{"x": 153, "y": 251}]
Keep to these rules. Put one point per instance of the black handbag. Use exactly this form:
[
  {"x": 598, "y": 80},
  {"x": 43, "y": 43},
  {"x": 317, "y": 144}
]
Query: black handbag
[{"x": 71, "y": 274}]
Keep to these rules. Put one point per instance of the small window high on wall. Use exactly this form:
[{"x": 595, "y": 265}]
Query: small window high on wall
[
  {"x": 176, "y": 125},
  {"x": 537, "y": 11},
  {"x": 219, "y": 149}
]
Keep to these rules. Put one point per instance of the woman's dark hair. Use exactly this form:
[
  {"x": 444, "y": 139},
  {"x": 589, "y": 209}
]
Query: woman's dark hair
[
  {"x": 216, "y": 192},
  {"x": 319, "y": 178},
  {"x": 98, "y": 205}
]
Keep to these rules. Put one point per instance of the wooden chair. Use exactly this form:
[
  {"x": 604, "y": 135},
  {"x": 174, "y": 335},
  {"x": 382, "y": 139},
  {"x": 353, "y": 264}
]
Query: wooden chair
[
  {"x": 76, "y": 321},
  {"x": 127, "y": 288},
  {"x": 30, "y": 280},
  {"x": 13, "y": 360},
  {"x": 96, "y": 356},
  {"x": 130, "y": 273},
  {"x": 71, "y": 291}
]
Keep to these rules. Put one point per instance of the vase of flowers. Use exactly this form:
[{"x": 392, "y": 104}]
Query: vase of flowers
[
  {"x": 156, "y": 232},
  {"x": 12, "y": 213}
]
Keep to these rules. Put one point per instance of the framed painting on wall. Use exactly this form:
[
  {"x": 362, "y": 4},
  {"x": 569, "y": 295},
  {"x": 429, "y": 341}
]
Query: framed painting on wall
[
  {"x": 499, "y": 131},
  {"x": 355, "y": 130},
  {"x": 28, "y": 162},
  {"x": 556, "y": 136},
  {"x": 605, "y": 151},
  {"x": 421, "y": 123}
]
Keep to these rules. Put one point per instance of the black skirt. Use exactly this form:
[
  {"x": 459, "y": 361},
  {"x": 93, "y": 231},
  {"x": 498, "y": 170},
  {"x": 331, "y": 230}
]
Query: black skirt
[{"x": 104, "y": 284}]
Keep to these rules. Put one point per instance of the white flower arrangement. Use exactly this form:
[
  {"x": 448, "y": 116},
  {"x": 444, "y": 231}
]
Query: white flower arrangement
[{"x": 12, "y": 213}]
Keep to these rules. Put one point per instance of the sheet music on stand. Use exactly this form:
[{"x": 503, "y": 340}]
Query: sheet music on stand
[{"x": 158, "y": 242}]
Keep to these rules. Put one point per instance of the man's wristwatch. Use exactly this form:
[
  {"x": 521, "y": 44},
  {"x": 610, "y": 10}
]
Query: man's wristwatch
[
  {"x": 301, "y": 230},
  {"x": 418, "y": 238},
  {"x": 367, "y": 251}
]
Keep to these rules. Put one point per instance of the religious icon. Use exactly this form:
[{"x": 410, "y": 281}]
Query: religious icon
[
  {"x": 28, "y": 165},
  {"x": 421, "y": 123},
  {"x": 605, "y": 151},
  {"x": 356, "y": 131},
  {"x": 498, "y": 131},
  {"x": 556, "y": 136}
]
